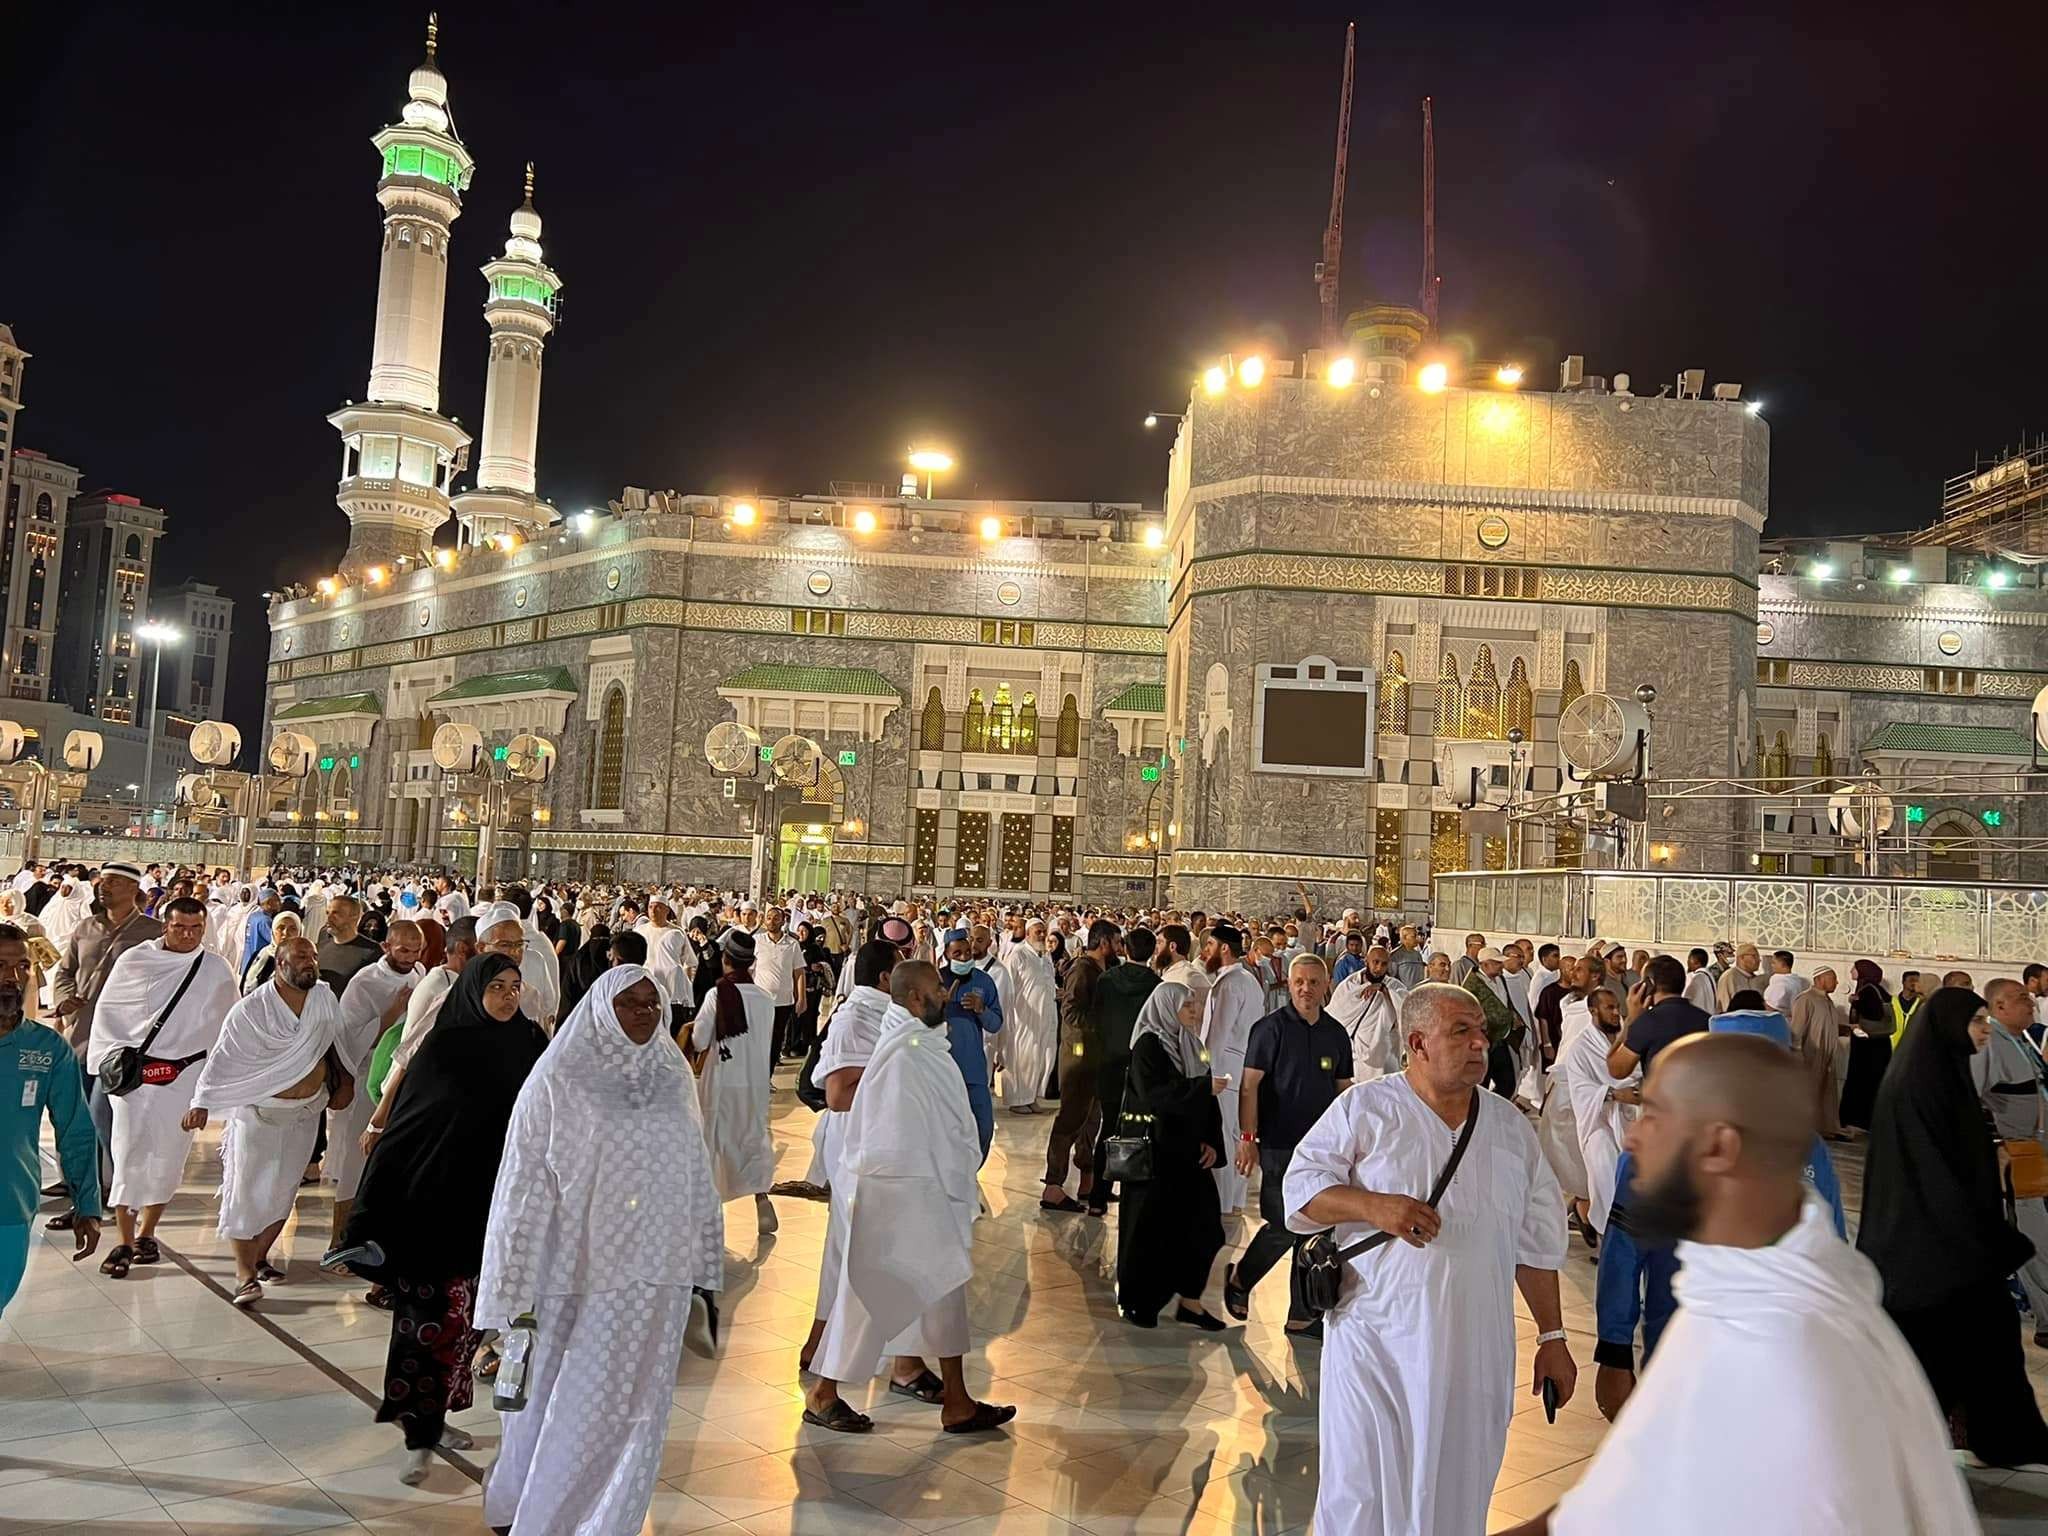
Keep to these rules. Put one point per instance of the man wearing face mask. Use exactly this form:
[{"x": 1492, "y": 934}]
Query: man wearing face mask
[
  {"x": 974, "y": 1010},
  {"x": 1781, "y": 1315},
  {"x": 907, "y": 1171},
  {"x": 273, "y": 1071}
]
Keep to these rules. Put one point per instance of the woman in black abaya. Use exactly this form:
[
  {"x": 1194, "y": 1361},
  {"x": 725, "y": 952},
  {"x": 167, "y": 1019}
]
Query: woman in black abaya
[
  {"x": 1170, "y": 1226},
  {"x": 418, "y": 1223},
  {"x": 1934, "y": 1225}
]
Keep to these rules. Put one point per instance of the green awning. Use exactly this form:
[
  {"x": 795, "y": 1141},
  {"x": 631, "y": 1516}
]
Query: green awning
[
  {"x": 842, "y": 682},
  {"x": 1139, "y": 699},
  {"x": 332, "y": 708},
  {"x": 492, "y": 685},
  {"x": 1954, "y": 740}
]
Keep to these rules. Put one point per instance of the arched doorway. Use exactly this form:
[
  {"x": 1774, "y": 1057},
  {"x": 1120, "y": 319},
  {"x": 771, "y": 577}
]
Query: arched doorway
[
  {"x": 1951, "y": 848},
  {"x": 803, "y": 853}
]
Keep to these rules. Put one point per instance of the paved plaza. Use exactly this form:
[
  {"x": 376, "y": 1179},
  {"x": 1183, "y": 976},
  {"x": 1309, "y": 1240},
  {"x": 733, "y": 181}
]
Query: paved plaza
[{"x": 150, "y": 1405}]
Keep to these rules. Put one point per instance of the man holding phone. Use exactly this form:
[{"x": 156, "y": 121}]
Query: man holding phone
[{"x": 1297, "y": 1062}]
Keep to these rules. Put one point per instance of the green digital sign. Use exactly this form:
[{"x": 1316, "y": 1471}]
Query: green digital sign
[
  {"x": 327, "y": 765},
  {"x": 1149, "y": 773},
  {"x": 1915, "y": 814},
  {"x": 1994, "y": 818},
  {"x": 355, "y": 760},
  {"x": 848, "y": 758},
  {"x": 498, "y": 754},
  {"x": 767, "y": 754}
]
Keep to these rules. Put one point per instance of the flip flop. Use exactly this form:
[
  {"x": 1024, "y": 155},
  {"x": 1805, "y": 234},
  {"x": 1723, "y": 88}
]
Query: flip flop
[
  {"x": 1066, "y": 1204},
  {"x": 62, "y": 1223},
  {"x": 117, "y": 1261},
  {"x": 924, "y": 1386},
  {"x": 987, "y": 1416},
  {"x": 249, "y": 1294},
  {"x": 147, "y": 1251},
  {"x": 269, "y": 1274},
  {"x": 487, "y": 1368},
  {"x": 841, "y": 1418}
]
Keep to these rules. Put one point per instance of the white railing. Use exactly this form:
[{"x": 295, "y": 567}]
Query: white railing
[{"x": 2000, "y": 923}]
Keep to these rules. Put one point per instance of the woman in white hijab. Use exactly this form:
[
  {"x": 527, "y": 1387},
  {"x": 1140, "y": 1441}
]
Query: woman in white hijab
[
  {"x": 605, "y": 1226},
  {"x": 68, "y": 908}
]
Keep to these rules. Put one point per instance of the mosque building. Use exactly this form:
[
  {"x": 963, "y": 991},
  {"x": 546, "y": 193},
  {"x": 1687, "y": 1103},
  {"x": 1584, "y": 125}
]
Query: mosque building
[{"x": 1371, "y": 590}]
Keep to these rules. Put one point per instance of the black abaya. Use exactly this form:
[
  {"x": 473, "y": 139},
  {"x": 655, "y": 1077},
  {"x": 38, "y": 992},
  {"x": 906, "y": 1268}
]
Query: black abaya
[{"x": 1169, "y": 1228}]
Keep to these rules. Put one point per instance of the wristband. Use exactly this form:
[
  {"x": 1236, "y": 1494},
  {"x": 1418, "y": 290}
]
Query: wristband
[
  {"x": 1555, "y": 1336},
  {"x": 1246, "y": 1136}
]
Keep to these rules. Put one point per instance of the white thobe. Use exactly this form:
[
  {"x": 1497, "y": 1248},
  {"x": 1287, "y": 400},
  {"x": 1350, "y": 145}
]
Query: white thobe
[
  {"x": 421, "y": 1010},
  {"x": 1599, "y": 1123},
  {"x": 1418, "y": 1372},
  {"x": 908, "y": 1191},
  {"x": 666, "y": 948},
  {"x": 1781, "y": 989},
  {"x": 1235, "y": 1004},
  {"x": 1030, "y": 1037},
  {"x": 1699, "y": 990},
  {"x": 540, "y": 968},
  {"x": 850, "y": 1038},
  {"x": 363, "y": 1001},
  {"x": 1751, "y": 1379},
  {"x": 734, "y": 1093},
  {"x": 149, "y": 1144},
  {"x": 1372, "y": 1021}
]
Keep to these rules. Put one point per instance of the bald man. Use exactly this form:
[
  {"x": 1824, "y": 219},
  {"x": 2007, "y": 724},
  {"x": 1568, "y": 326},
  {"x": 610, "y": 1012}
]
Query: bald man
[{"x": 1781, "y": 1326}]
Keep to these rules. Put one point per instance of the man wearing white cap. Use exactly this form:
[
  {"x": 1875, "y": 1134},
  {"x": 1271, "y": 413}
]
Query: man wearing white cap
[{"x": 735, "y": 1031}]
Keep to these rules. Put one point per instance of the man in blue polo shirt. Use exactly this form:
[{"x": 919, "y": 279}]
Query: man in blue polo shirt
[
  {"x": 973, "y": 1010},
  {"x": 38, "y": 1075}
]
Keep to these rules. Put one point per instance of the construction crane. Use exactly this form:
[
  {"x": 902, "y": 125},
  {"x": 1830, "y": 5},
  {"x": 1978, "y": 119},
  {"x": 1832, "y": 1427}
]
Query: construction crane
[
  {"x": 1430, "y": 281},
  {"x": 1333, "y": 232}
]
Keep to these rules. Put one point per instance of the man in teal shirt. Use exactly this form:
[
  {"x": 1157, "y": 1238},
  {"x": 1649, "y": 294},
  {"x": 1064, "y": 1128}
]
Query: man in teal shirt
[{"x": 38, "y": 1075}]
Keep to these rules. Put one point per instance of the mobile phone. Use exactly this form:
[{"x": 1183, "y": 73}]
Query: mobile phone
[{"x": 1550, "y": 1400}]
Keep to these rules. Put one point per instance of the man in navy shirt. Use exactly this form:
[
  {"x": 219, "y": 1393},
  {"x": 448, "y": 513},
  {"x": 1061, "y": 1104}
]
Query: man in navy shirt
[
  {"x": 972, "y": 1010},
  {"x": 1297, "y": 1061}
]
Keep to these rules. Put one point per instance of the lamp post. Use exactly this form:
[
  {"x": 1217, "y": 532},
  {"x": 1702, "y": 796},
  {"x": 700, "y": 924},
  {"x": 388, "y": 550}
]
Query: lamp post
[
  {"x": 158, "y": 635},
  {"x": 929, "y": 462}
]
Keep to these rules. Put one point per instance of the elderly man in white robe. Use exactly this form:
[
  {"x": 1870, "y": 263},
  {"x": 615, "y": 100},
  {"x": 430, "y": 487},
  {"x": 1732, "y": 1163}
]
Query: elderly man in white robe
[
  {"x": 909, "y": 1174},
  {"x": 1599, "y": 1102},
  {"x": 1738, "y": 1424},
  {"x": 1030, "y": 1037},
  {"x": 500, "y": 930},
  {"x": 735, "y": 1029},
  {"x": 1417, "y": 1382},
  {"x": 272, "y": 1072},
  {"x": 1368, "y": 1004},
  {"x": 375, "y": 999},
  {"x": 607, "y": 1233},
  {"x": 165, "y": 998}
]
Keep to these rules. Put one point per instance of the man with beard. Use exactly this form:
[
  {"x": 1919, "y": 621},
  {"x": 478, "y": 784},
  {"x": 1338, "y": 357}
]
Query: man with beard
[
  {"x": 273, "y": 1071},
  {"x": 1599, "y": 1116},
  {"x": 1781, "y": 1325},
  {"x": 1029, "y": 1043},
  {"x": 907, "y": 1183},
  {"x": 376, "y": 998},
  {"x": 1368, "y": 1004},
  {"x": 38, "y": 1073},
  {"x": 1236, "y": 1003}
]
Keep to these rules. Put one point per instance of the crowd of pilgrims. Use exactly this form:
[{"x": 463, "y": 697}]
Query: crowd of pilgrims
[{"x": 535, "y": 1102}]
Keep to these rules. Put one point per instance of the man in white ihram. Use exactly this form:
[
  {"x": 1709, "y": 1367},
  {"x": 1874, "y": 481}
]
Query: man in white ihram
[
  {"x": 149, "y": 990},
  {"x": 376, "y": 998},
  {"x": 1739, "y": 1423},
  {"x": 908, "y": 1175},
  {"x": 1419, "y": 1355}
]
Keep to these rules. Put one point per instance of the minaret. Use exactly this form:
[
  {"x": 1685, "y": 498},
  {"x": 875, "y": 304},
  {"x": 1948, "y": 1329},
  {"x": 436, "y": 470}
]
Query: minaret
[
  {"x": 519, "y": 307},
  {"x": 400, "y": 456}
]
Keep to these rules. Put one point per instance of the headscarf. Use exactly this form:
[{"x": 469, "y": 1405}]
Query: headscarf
[
  {"x": 594, "y": 1034},
  {"x": 1160, "y": 1017},
  {"x": 426, "y": 1190},
  {"x": 1933, "y": 1211},
  {"x": 1868, "y": 973},
  {"x": 731, "y": 1017}
]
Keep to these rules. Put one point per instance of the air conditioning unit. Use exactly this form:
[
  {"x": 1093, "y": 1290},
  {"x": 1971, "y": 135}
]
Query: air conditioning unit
[
  {"x": 1728, "y": 391},
  {"x": 1690, "y": 382}
]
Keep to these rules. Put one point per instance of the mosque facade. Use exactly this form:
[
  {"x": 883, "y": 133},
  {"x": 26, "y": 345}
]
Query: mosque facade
[{"x": 1368, "y": 594}]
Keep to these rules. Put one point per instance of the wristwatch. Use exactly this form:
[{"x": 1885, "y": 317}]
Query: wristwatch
[{"x": 1555, "y": 1336}]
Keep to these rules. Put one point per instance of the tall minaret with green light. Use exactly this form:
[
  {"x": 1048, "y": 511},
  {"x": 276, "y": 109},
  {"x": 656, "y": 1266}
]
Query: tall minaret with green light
[
  {"x": 400, "y": 456},
  {"x": 519, "y": 307}
]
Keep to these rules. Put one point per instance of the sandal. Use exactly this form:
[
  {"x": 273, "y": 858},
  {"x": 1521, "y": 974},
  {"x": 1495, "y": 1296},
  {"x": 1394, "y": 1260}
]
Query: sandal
[
  {"x": 924, "y": 1386},
  {"x": 1206, "y": 1321},
  {"x": 147, "y": 1251},
  {"x": 1064, "y": 1205},
  {"x": 1237, "y": 1299},
  {"x": 487, "y": 1368},
  {"x": 987, "y": 1416},
  {"x": 248, "y": 1295},
  {"x": 841, "y": 1418},
  {"x": 117, "y": 1261},
  {"x": 376, "y": 1296},
  {"x": 61, "y": 1223},
  {"x": 269, "y": 1273}
]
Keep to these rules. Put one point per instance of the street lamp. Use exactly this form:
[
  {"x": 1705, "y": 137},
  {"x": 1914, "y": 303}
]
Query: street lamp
[
  {"x": 929, "y": 462},
  {"x": 158, "y": 635},
  {"x": 1153, "y": 418}
]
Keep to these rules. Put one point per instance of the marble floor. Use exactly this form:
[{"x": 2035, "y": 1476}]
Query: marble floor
[{"x": 150, "y": 1405}]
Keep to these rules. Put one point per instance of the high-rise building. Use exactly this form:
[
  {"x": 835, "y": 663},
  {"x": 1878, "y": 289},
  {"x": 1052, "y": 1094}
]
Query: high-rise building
[
  {"x": 109, "y": 551},
  {"x": 195, "y": 669},
  {"x": 13, "y": 364},
  {"x": 400, "y": 456},
  {"x": 37, "y": 503}
]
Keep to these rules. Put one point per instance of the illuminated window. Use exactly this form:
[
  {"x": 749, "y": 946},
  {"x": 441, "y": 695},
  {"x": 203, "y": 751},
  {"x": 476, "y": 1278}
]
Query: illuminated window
[
  {"x": 924, "y": 861},
  {"x": 1016, "y": 852},
  {"x": 1496, "y": 853},
  {"x": 931, "y": 735},
  {"x": 974, "y": 727},
  {"x": 1778, "y": 765},
  {"x": 1450, "y": 714},
  {"x": 1027, "y": 727},
  {"x": 1068, "y": 732},
  {"x": 1482, "y": 699},
  {"x": 1393, "y": 717},
  {"x": 1002, "y": 721},
  {"x": 1573, "y": 687},
  {"x": 970, "y": 855},
  {"x": 1446, "y": 842},
  {"x": 1518, "y": 706},
  {"x": 1569, "y": 849},
  {"x": 1063, "y": 853},
  {"x": 1386, "y": 860},
  {"x": 611, "y": 752}
]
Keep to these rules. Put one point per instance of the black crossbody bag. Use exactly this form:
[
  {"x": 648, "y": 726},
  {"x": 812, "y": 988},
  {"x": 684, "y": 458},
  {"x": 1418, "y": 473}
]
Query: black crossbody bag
[
  {"x": 121, "y": 1068},
  {"x": 1318, "y": 1271}
]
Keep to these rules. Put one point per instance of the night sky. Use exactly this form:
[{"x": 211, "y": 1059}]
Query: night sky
[{"x": 792, "y": 242}]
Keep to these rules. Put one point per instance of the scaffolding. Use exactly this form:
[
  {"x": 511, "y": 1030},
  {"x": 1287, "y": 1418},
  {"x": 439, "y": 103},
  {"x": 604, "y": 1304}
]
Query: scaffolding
[{"x": 1998, "y": 508}]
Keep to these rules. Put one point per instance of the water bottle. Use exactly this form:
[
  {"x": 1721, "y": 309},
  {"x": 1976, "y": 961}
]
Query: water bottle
[{"x": 515, "y": 1354}]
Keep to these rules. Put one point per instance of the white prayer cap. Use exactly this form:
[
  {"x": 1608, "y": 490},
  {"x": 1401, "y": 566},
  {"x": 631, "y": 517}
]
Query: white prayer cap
[
  {"x": 496, "y": 913},
  {"x": 1490, "y": 953}
]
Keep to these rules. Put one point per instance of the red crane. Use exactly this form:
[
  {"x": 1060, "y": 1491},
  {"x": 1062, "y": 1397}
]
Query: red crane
[
  {"x": 1430, "y": 281},
  {"x": 1333, "y": 232}
]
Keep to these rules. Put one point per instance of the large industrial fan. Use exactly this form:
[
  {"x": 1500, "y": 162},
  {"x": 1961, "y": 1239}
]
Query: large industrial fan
[
  {"x": 795, "y": 761},
  {"x": 215, "y": 744},
  {"x": 1599, "y": 734},
  {"x": 733, "y": 749},
  {"x": 459, "y": 748},
  {"x": 530, "y": 758},
  {"x": 1860, "y": 809}
]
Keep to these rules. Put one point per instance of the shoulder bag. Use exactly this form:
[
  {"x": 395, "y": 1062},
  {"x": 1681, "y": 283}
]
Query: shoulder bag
[
  {"x": 121, "y": 1069},
  {"x": 1126, "y": 1158},
  {"x": 1318, "y": 1270}
]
